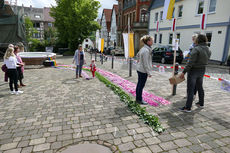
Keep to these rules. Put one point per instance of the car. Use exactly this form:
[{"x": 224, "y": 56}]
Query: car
[
  {"x": 107, "y": 51},
  {"x": 164, "y": 54}
]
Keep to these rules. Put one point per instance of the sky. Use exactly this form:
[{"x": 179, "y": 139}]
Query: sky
[{"x": 48, "y": 3}]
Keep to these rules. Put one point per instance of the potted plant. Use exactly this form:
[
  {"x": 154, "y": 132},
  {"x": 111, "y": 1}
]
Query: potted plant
[{"x": 228, "y": 61}]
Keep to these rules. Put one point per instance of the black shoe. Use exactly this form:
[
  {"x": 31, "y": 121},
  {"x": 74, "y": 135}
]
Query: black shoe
[
  {"x": 184, "y": 109},
  {"x": 198, "y": 105},
  {"x": 142, "y": 102}
]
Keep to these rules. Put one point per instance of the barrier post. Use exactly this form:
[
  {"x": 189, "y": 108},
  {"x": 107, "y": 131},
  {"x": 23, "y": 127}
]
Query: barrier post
[
  {"x": 95, "y": 56},
  {"x": 175, "y": 73},
  {"x": 130, "y": 66},
  {"x": 112, "y": 59}
]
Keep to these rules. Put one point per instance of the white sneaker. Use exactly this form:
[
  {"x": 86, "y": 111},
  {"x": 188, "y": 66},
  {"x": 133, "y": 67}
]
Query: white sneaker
[
  {"x": 18, "y": 92},
  {"x": 12, "y": 92}
]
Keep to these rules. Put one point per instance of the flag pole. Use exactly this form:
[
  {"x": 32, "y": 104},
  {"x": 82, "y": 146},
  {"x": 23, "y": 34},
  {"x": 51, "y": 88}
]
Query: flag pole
[
  {"x": 130, "y": 59},
  {"x": 174, "y": 54}
]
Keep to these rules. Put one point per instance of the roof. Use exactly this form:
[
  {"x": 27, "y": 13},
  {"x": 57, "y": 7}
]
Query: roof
[
  {"x": 115, "y": 7},
  {"x": 158, "y": 3},
  {"x": 107, "y": 13},
  {"x": 6, "y": 11},
  {"x": 47, "y": 16}
]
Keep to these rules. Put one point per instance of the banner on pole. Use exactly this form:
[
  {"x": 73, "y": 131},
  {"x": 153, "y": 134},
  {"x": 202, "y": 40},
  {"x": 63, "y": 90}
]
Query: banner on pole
[
  {"x": 168, "y": 9},
  {"x": 157, "y": 29},
  {"x": 131, "y": 45},
  {"x": 175, "y": 44},
  {"x": 126, "y": 44},
  {"x": 99, "y": 44},
  {"x": 173, "y": 28},
  {"x": 203, "y": 21},
  {"x": 102, "y": 45}
]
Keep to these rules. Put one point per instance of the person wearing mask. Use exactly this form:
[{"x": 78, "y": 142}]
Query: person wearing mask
[
  {"x": 195, "y": 68},
  {"x": 144, "y": 66}
]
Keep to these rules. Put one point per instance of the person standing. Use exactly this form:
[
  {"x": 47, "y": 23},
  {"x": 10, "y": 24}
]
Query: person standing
[
  {"x": 144, "y": 66},
  {"x": 188, "y": 57},
  {"x": 79, "y": 59},
  {"x": 11, "y": 64},
  {"x": 196, "y": 67},
  {"x": 93, "y": 67},
  {"x": 20, "y": 68}
]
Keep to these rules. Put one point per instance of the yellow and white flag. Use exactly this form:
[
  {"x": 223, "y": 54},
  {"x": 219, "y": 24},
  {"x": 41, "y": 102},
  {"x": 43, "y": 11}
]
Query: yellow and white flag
[
  {"x": 128, "y": 44},
  {"x": 102, "y": 45},
  {"x": 168, "y": 9}
]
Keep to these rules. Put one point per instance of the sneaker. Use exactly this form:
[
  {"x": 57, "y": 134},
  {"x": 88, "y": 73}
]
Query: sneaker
[
  {"x": 12, "y": 92},
  {"x": 18, "y": 92},
  {"x": 184, "y": 109},
  {"x": 142, "y": 102},
  {"x": 198, "y": 105}
]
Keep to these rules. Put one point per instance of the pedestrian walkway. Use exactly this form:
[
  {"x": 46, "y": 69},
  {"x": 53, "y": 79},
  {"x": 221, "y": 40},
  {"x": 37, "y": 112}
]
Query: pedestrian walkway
[{"x": 57, "y": 111}]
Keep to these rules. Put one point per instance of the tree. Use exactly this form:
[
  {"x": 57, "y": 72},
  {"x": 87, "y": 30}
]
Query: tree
[
  {"x": 50, "y": 36},
  {"x": 30, "y": 30},
  {"x": 75, "y": 20}
]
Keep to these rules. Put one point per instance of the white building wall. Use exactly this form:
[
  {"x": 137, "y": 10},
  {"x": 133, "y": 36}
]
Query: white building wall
[
  {"x": 104, "y": 32},
  {"x": 189, "y": 18},
  {"x": 89, "y": 43},
  {"x": 113, "y": 28}
]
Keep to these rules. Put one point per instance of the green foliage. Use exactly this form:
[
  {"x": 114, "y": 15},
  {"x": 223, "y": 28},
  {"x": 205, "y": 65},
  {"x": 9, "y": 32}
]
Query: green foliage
[
  {"x": 149, "y": 119},
  {"x": 30, "y": 30},
  {"x": 75, "y": 20},
  {"x": 50, "y": 36},
  {"x": 68, "y": 53}
]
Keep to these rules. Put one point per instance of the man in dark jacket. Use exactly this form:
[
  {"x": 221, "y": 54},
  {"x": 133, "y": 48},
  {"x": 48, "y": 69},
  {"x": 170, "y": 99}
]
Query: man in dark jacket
[{"x": 196, "y": 66}]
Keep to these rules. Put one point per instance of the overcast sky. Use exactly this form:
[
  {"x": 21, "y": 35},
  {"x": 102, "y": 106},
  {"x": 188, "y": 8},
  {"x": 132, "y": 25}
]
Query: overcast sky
[{"x": 42, "y": 3}]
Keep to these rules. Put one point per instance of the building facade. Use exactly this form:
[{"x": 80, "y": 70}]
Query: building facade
[
  {"x": 106, "y": 26},
  {"x": 113, "y": 30},
  {"x": 188, "y": 16},
  {"x": 134, "y": 12},
  {"x": 39, "y": 16}
]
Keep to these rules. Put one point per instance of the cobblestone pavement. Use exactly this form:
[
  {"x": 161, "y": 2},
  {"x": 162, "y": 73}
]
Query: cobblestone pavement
[{"x": 57, "y": 110}]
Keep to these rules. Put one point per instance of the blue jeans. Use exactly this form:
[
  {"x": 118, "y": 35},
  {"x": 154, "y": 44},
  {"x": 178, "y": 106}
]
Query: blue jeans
[
  {"x": 142, "y": 78},
  {"x": 79, "y": 68},
  {"x": 195, "y": 80}
]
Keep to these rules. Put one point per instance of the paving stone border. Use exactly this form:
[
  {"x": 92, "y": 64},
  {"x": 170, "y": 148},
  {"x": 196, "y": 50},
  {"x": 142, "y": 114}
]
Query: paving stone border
[{"x": 112, "y": 147}]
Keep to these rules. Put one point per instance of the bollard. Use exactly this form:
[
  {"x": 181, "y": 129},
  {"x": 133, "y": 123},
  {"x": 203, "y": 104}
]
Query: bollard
[
  {"x": 130, "y": 66},
  {"x": 95, "y": 56},
  {"x": 102, "y": 58},
  {"x": 91, "y": 53},
  {"x": 112, "y": 59},
  {"x": 175, "y": 73}
]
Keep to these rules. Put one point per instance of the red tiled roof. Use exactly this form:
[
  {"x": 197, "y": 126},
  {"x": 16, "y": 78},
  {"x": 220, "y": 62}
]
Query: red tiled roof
[
  {"x": 107, "y": 13},
  {"x": 116, "y": 8},
  {"x": 47, "y": 16}
]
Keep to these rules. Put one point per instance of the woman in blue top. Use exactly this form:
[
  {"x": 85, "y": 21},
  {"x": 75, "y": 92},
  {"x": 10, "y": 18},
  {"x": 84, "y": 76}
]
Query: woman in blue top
[{"x": 79, "y": 59}]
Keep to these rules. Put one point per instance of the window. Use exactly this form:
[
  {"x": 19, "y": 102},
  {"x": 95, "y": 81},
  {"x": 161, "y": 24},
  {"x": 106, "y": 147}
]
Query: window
[
  {"x": 86, "y": 40},
  {"x": 200, "y": 8},
  {"x": 178, "y": 37},
  {"x": 155, "y": 38},
  {"x": 160, "y": 38},
  {"x": 37, "y": 16},
  {"x": 144, "y": 16},
  {"x": 50, "y": 24},
  {"x": 156, "y": 17},
  {"x": 37, "y": 25},
  {"x": 209, "y": 36},
  {"x": 170, "y": 38},
  {"x": 161, "y": 15},
  {"x": 173, "y": 15},
  {"x": 134, "y": 16},
  {"x": 212, "y": 6},
  {"x": 180, "y": 11}
]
